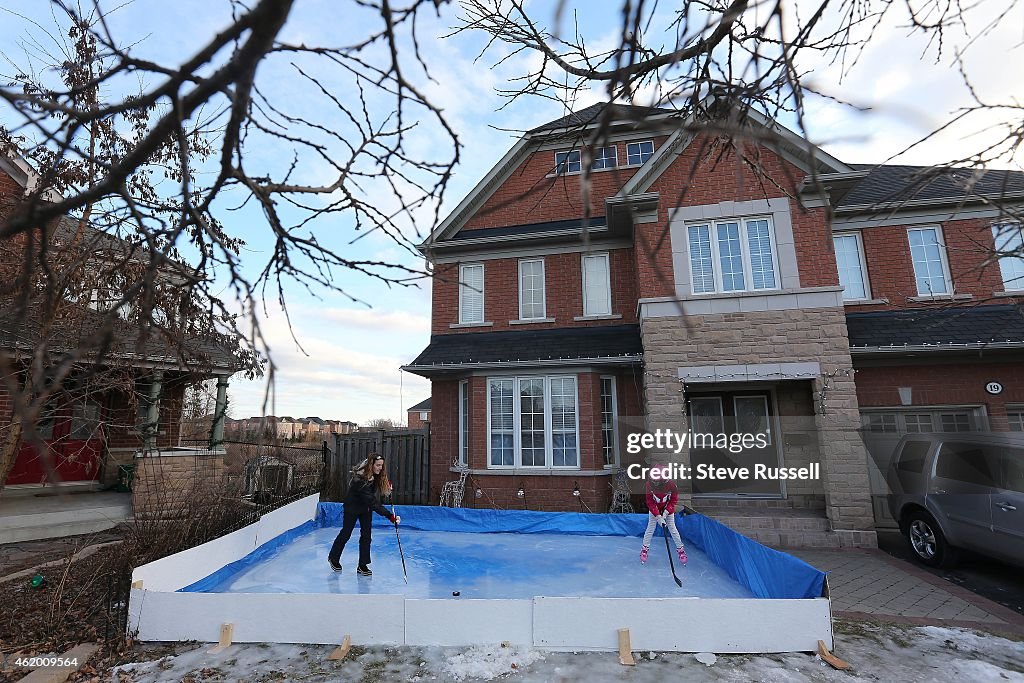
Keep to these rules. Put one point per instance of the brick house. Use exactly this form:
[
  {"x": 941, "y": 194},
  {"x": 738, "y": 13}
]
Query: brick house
[
  {"x": 419, "y": 415},
  {"x": 704, "y": 291},
  {"x": 90, "y": 433}
]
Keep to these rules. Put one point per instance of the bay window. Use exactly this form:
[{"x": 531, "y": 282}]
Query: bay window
[
  {"x": 532, "y": 422},
  {"x": 732, "y": 256}
]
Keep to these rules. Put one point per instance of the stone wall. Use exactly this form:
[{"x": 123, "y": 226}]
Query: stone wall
[
  {"x": 804, "y": 336},
  {"x": 170, "y": 485}
]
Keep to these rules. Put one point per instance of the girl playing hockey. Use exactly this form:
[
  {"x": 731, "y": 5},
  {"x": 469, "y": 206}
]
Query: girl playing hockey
[{"x": 662, "y": 496}]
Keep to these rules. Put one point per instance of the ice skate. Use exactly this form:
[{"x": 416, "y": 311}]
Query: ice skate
[
  {"x": 363, "y": 570},
  {"x": 336, "y": 566},
  {"x": 682, "y": 555},
  {"x": 643, "y": 555}
]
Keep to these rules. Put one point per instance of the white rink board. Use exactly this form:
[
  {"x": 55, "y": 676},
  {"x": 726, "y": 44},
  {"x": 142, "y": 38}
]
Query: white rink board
[
  {"x": 158, "y": 613},
  {"x": 268, "y": 617},
  {"x": 461, "y": 622},
  {"x": 682, "y": 624}
]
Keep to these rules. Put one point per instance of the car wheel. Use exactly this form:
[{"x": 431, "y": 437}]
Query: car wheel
[{"x": 927, "y": 541}]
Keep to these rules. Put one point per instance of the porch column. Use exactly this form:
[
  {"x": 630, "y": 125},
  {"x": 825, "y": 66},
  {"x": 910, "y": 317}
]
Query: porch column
[
  {"x": 217, "y": 433},
  {"x": 153, "y": 411}
]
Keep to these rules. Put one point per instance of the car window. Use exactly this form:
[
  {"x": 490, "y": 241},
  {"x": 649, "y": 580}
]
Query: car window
[
  {"x": 912, "y": 457},
  {"x": 1012, "y": 469},
  {"x": 966, "y": 462}
]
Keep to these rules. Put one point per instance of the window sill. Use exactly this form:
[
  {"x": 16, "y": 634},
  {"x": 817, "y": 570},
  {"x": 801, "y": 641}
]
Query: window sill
[
  {"x": 612, "y": 316},
  {"x": 864, "y": 302},
  {"x": 1014, "y": 292},
  {"x": 538, "y": 471},
  {"x": 456, "y": 326},
  {"x": 592, "y": 171},
  {"x": 940, "y": 298},
  {"x": 533, "y": 321}
]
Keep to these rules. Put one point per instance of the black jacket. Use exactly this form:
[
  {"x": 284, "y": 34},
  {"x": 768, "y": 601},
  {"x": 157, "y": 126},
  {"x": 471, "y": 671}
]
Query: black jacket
[{"x": 362, "y": 496}]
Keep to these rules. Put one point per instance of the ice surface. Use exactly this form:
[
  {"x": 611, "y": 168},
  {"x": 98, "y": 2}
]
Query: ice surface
[{"x": 485, "y": 566}]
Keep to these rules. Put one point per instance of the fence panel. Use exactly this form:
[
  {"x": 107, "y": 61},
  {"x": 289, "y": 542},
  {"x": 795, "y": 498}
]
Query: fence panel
[{"x": 406, "y": 454}]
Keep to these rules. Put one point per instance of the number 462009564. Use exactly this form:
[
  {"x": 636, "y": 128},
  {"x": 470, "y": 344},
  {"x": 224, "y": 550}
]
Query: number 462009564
[{"x": 21, "y": 662}]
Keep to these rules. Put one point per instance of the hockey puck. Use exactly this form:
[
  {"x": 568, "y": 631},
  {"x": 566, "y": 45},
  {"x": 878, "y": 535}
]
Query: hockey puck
[{"x": 455, "y": 593}]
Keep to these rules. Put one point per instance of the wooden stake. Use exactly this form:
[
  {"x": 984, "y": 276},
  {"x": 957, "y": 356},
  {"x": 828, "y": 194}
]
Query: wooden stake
[
  {"x": 227, "y": 632},
  {"x": 137, "y": 584},
  {"x": 341, "y": 651},
  {"x": 832, "y": 660},
  {"x": 625, "y": 651}
]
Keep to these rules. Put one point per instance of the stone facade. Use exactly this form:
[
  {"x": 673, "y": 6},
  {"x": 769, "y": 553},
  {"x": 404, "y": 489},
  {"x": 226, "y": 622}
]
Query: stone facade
[
  {"x": 171, "y": 484},
  {"x": 744, "y": 341}
]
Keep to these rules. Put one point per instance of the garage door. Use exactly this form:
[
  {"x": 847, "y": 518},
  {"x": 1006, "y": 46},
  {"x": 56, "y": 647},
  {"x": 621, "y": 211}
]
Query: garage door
[{"x": 883, "y": 427}]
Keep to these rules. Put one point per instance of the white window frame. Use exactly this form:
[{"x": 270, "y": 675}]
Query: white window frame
[
  {"x": 568, "y": 162},
  {"x": 614, "y": 158},
  {"x": 543, "y": 293},
  {"x": 615, "y": 420},
  {"x": 463, "y": 422},
  {"x": 608, "y": 271},
  {"x": 863, "y": 263},
  {"x": 638, "y": 143},
  {"x": 1014, "y": 283},
  {"x": 462, "y": 290},
  {"x": 943, "y": 257},
  {"x": 548, "y": 430},
  {"x": 716, "y": 260}
]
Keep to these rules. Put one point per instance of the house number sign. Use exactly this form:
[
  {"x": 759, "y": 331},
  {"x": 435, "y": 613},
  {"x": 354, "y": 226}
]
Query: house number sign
[{"x": 994, "y": 388}]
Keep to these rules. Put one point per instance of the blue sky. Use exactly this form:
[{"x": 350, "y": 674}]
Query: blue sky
[{"x": 348, "y": 365}]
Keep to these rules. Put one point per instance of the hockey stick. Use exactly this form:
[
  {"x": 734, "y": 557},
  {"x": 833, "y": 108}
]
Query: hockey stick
[
  {"x": 671, "y": 563},
  {"x": 402, "y": 555}
]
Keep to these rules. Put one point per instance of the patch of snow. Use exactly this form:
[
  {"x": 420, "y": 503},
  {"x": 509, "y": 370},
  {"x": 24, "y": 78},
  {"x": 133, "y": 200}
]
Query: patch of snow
[
  {"x": 488, "y": 662},
  {"x": 706, "y": 658}
]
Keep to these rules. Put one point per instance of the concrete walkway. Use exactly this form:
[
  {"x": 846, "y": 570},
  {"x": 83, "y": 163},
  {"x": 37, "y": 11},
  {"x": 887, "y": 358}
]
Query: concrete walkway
[
  {"x": 27, "y": 517},
  {"x": 869, "y": 584}
]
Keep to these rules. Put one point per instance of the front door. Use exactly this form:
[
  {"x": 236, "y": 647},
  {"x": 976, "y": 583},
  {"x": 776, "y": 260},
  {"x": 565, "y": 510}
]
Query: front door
[
  {"x": 734, "y": 414},
  {"x": 73, "y": 441}
]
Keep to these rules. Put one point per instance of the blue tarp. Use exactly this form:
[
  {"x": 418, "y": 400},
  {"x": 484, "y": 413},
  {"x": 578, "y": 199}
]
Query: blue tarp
[{"x": 765, "y": 572}]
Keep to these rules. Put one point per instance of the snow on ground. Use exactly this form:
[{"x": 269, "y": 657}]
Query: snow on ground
[{"x": 875, "y": 652}]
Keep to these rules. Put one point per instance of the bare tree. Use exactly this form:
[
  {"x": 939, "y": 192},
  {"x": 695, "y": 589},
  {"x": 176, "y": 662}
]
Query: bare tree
[
  {"x": 382, "y": 423},
  {"x": 157, "y": 170}
]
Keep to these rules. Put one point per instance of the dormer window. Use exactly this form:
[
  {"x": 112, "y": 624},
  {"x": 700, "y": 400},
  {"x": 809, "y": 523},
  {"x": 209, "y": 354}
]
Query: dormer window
[
  {"x": 567, "y": 162},
  {"x": 637, "y": 153}
]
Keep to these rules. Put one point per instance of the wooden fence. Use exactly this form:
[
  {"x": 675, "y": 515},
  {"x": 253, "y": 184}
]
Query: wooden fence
[{"x": 406, "y": 456}]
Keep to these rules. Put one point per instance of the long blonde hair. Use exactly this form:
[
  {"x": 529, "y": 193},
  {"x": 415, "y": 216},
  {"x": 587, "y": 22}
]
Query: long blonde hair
[{"x": 365, "y": 470}]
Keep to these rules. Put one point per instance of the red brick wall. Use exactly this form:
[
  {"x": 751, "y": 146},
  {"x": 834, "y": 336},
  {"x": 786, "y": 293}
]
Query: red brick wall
[
  {"x": 706, "y": 174},
  {"x": 544, "y": 491},
  {"x": 530, "y": 196},
  {"x": 414, "y": 419},
  {"x": 563, "y": 293},
  {"x": 891, "y": 271},
  {"x": 938, "y": 384}
]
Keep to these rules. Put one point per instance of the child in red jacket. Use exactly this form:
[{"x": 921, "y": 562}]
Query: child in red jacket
[{"x": 662, "y": 496}]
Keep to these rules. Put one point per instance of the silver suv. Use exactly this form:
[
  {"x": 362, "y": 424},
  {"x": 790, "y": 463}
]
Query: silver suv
[{"x": 959, "y": 490}]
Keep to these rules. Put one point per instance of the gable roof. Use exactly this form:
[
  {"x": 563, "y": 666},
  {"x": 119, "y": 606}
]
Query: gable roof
[
  {"x": 789, "y": 145},
  {"x": 422, "y": 405},
  {"x": 590, "y": 115}
]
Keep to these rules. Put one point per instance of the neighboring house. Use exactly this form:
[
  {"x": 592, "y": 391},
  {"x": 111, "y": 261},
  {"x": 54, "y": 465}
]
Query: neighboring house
[
  {"x": 419, "y": 415},
  {"x": 105, "y": 415},
  {"x": 714, "y": 301}
]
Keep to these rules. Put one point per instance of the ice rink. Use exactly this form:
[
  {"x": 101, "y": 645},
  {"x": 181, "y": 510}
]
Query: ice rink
[{"x": 483, "y": 565}]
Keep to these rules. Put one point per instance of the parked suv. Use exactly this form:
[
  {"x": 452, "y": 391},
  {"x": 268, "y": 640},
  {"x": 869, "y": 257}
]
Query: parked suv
[{"x": 959, "y": 490}]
